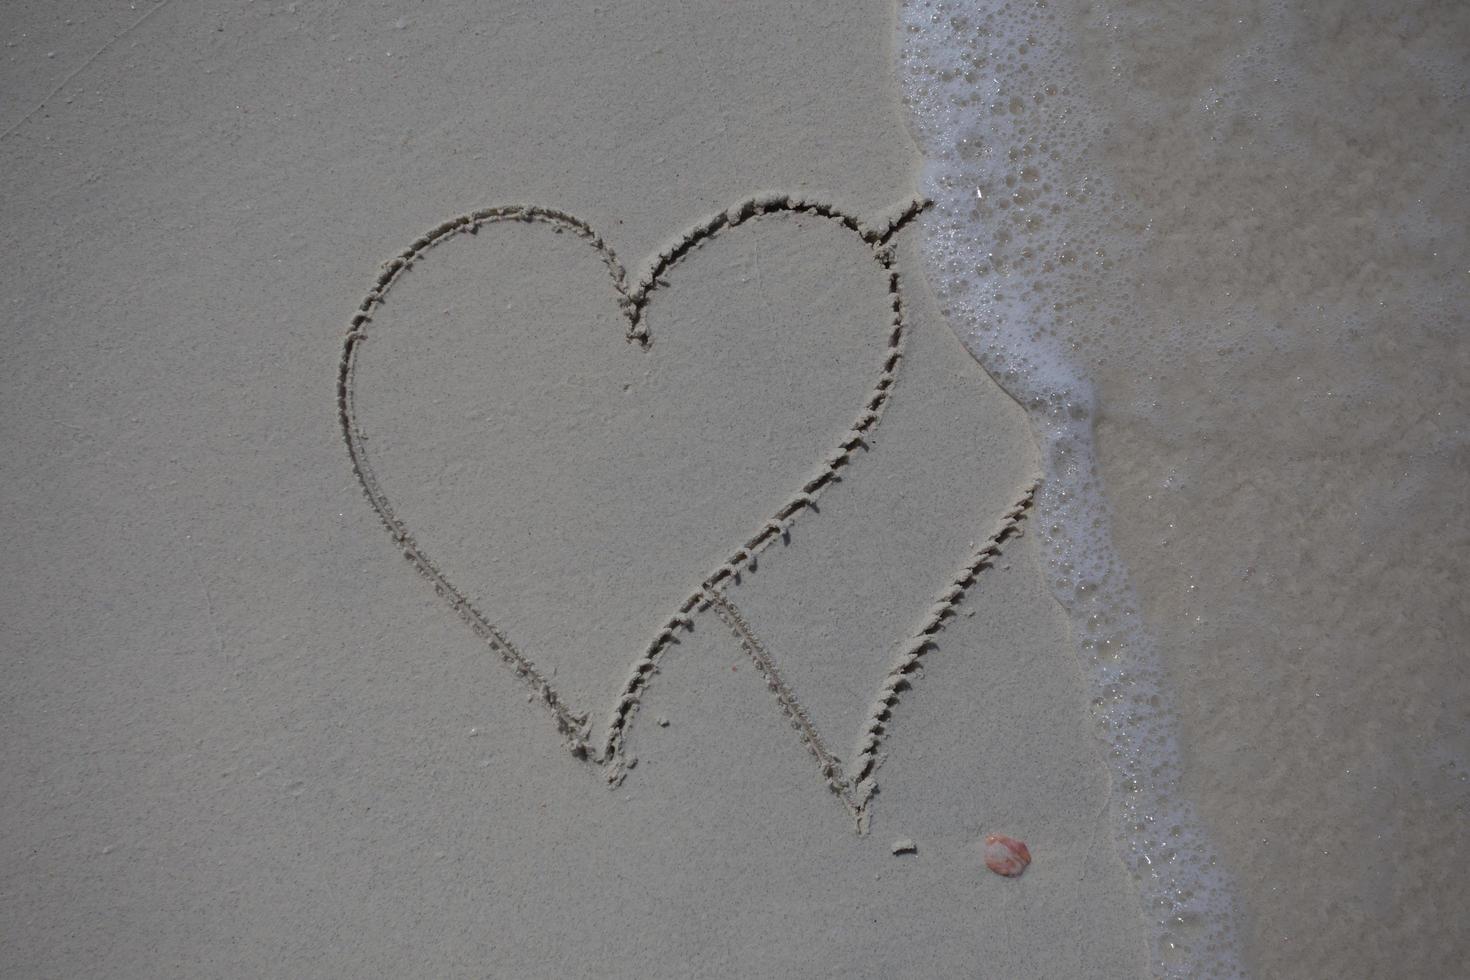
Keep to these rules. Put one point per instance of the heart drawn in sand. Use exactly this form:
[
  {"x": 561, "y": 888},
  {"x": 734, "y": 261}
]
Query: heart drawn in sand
[{"x": 882, "y": 339}]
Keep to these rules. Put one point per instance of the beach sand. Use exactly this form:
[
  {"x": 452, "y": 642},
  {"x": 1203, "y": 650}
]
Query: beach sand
[
  {"x": 1286, "y": 451},
  {"x": 1232, "y": 238},
  {"x": 660, "y": 460},
  {"x": 245, "y": 737}
]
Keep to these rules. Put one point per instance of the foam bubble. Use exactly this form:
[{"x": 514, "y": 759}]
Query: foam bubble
[{"x": 1020, "y": 249}]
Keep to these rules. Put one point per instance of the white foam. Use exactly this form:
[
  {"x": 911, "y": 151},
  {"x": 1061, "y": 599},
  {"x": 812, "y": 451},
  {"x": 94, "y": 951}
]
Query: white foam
[{"x": 1018, "y": 248}]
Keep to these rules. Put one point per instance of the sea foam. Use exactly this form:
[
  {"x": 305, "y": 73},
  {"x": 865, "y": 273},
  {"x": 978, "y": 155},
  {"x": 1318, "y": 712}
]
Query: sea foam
[{"x": 1019, "y": 249}]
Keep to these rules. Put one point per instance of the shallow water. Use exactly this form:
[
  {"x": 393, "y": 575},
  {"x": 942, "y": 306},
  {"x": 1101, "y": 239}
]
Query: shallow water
[{"x": 1214, "y": 252}]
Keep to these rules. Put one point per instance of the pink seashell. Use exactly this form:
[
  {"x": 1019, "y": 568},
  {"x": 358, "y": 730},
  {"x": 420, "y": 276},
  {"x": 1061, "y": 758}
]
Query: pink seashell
[{"x": 1006, "y": 855}]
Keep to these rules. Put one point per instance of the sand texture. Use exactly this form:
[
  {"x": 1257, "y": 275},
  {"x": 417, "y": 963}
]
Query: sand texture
[
  {"x": 259, "y": 722},
  {"x": 1285, "y": 446},
  {"x": 509, "y": 490}
]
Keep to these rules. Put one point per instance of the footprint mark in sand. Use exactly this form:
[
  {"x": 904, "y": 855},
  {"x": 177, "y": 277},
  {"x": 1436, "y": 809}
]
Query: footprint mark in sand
[{"x": 855, "y": 788}]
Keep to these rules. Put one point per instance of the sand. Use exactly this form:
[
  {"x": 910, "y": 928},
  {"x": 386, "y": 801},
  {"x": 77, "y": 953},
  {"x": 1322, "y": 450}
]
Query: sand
[
  {"x": 245, "y": 737},
  {"x": 670, "y": 438},
  {"x": 1242, "y": 229},
  {"x": 1289, "y": 470}
]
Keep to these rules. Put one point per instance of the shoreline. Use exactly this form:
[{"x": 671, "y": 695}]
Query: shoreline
[{"x": 244, "y": 735}]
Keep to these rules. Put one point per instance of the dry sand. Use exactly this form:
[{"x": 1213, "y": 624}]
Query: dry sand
[{"x": 245, "y": 737}]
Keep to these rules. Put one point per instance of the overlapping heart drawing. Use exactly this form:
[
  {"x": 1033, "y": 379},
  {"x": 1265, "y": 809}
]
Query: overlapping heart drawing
[{"x": 853, "y": 783}]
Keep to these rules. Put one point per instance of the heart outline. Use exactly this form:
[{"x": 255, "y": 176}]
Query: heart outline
[{"x": 632, "y": 302}]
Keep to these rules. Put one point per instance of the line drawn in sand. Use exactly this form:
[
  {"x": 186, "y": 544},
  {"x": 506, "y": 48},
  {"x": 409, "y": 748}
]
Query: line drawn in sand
[
  {"x": 607, "y": 751},
  {"x": 857, "y": 786}
]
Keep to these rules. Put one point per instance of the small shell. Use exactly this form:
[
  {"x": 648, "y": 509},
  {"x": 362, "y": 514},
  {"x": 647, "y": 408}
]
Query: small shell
[
  {"x": 905, "y": 845},
  {"x": 1006, "y": 855}
]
